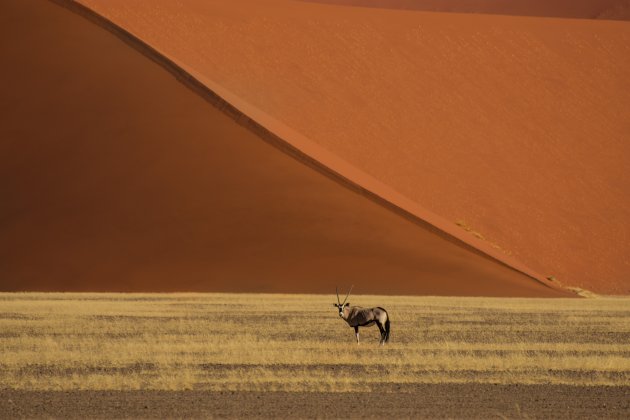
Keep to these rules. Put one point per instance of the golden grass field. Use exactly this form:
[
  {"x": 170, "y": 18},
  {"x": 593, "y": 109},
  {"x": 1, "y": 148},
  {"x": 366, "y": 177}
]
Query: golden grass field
[{"x": 252, "y": 342}]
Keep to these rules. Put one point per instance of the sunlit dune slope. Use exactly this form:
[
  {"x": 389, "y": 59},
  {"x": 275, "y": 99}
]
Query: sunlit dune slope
[
  {"x": 515, "y": 126},
  {"x": 114, "y": 175},
  {"x": 583, "y": 9}
]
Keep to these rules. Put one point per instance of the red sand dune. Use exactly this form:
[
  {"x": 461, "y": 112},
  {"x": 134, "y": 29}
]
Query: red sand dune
[
  {"x": 619, "y": 11},
  {"x": 584, "y": 9},
  {"x": 517, "y": 126},
  {"x": 114, "y": 175}
]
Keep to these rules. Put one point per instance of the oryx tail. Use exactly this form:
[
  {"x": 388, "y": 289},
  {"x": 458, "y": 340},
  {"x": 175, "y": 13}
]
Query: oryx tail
[{"x": 387, "y": 327}]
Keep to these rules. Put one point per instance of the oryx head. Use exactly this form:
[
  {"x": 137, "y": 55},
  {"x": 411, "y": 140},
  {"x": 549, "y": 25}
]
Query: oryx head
[{"x": 340, "y": 306}]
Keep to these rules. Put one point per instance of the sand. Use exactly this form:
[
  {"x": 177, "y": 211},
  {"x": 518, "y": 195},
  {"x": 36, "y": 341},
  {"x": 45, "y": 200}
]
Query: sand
[
  {"x": 515, "y": 127},
  {"x": 581, "y": 9},
  {"x": 115, "y": 176}
]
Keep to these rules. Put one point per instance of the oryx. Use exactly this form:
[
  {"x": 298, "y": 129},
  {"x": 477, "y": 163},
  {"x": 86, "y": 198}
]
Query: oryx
[{"x": 357, "y": 316}]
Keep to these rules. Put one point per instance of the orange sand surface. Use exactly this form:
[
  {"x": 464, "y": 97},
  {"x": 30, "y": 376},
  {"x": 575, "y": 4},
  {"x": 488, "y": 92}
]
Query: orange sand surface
[
  {"x": 584, "y": 9},
  {"x": 516, "y": 128},
  {"x": 116, "y": 176}
]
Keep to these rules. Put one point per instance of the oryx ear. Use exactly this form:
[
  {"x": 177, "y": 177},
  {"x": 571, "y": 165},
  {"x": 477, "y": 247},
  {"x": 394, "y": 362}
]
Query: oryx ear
[
  {"x": 347, "y": 304},
  {"x": 335, "y": 305}
]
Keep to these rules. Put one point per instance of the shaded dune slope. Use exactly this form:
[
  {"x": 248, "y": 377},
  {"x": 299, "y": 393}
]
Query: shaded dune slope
[
  {"x": 618, "y": 11},
  {"x": 114, "y": 176},
  {"x": 515, "y": 126},
  {"x": 582, "y": 9}
]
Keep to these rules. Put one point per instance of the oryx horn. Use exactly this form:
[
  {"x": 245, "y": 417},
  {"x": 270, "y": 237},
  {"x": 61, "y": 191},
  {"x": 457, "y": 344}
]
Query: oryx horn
[{"x": 344, "y": 301}]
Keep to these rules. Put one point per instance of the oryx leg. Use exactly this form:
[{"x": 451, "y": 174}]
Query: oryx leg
[
  {"x": 382, "y": 330},
  {"x": 356, "y": 333}
]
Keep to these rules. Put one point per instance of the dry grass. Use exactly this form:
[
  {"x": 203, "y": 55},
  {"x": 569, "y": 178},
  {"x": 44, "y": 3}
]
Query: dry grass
[{"x": 297, "y": 342}]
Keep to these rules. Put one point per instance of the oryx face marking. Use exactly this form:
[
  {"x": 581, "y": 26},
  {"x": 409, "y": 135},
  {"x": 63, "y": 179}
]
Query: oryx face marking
[{"x": 341, "y": 308}]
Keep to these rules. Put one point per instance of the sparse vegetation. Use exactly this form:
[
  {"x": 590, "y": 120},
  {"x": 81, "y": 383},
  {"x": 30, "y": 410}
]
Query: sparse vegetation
[
  {"x": 298, "y": 343},
  {"x": 577, "y": 290},
  {"x": 462, "y": 224}
]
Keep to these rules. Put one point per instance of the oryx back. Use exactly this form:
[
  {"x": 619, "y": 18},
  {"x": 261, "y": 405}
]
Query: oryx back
[{"x": 365, "y": 317}]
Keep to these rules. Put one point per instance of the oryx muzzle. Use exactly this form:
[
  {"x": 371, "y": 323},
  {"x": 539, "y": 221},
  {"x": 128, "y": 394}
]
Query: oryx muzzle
[{"x": 357, "y": 316}]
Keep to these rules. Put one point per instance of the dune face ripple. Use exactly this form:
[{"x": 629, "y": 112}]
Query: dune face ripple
[{"x": 116, "y": 176}]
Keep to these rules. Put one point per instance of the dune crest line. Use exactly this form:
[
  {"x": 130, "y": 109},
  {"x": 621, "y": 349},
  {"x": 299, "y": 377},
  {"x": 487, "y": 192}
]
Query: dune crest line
[{"x": 302, "y": 149}]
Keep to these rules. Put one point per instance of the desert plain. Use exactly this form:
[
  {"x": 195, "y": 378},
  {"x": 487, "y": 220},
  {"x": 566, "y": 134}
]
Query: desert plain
[
  {"x": 183, "y": 184},
  {"x": 253, "y": 355}
]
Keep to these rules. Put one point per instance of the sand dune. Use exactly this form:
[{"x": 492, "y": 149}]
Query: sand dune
[
  {"x": 114, "y": 175},
  {"x": 619, "y": 11},
  {"x": 515, "y": 126},
  {"x": 583, "y": 9}
]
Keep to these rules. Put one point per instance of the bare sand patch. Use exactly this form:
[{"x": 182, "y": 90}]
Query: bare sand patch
[{"x": 417, "y": 401}]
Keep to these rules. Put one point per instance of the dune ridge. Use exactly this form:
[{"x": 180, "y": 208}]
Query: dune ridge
[
  {"x": 36, "y": 257},
  {"x": 590, "y": 9}
]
